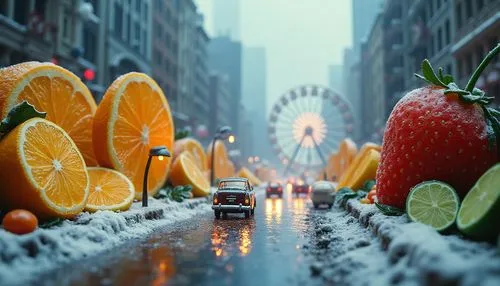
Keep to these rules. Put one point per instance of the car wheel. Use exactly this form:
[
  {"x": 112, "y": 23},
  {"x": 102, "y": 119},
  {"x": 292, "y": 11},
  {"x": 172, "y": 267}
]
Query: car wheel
[
  {"x": 217, "y": 214},
  {"x": 267, "y": 196},
  {"x": 247, "y": 214},
  {"x": 330, "y": 206},
  {"x": 224, "y": 215},
  {"x": 252, "y": 211},
  {"x": 316, "y": 206}
]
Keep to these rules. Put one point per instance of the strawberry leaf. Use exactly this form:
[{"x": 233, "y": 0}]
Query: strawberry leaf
[
  {"x": 181, "y": 134},
  {"x": 17, "y": 115},
  {"x": 429, "y": 75},
  {"x": 388, "y": 210}
]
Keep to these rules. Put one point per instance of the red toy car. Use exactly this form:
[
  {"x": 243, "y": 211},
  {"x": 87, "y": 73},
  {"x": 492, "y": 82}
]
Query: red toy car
[
  {"x": 274, "y": 188},
  {"x": 301, "y": 188},
  {"x": 234, "y": 195}
]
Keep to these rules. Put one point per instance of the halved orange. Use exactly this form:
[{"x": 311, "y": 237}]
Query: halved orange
[
  {"x": 220, "y": 159},
  {"x": 132, "y": 117},
  {"x": 54, "y": 90},
  {"x": 186, "y": 172},
  {"x": 42, "y": 171},
  {"x": 194, "y": 147},
  {"x": 109, "y": 190},
  {"x": 246, "y": 173}
]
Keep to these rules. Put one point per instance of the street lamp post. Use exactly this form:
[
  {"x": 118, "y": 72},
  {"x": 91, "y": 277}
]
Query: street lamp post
[
  {"x": 157, "y": 151},
  {"x": 222, "y": 134}
]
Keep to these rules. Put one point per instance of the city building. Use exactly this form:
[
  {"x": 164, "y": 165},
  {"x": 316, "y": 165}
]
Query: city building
[
  {"x": 227, "y": 18},
  {"x": 225, "y": 57},
  {"x": 129, "y": 37},
  {"x": 363, "y": 15},
  {"x": 254, "y": 98},
  {"x": 219, "y": 104},
  {"x": 165, "y": 45},
  {"x": 373, "y": 81},
  {"x": 188, "y": 19},
  {"x": 477, "y": 26},
  {"x": 335, "y": 78},
  {"x": 200, "y": 107}
]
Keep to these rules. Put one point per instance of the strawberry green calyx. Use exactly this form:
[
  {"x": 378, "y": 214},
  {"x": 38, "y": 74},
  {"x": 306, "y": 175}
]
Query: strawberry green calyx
[{"x": 470, "y": 94}]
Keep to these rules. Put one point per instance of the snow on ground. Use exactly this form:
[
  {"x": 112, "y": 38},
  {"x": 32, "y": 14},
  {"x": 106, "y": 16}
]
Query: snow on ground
[
  {"x": 364, "y": 247},
  {"x": 22, "y": 257}
]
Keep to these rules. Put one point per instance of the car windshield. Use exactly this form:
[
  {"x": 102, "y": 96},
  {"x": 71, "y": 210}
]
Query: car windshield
[
  {"x": 274, "y": 185},
  {"x": 232, "y": 185}
]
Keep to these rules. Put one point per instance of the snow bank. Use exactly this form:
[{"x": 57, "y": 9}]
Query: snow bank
[
  {"x": 425, "y": 255},
  {"x": 87, "y": 235}
]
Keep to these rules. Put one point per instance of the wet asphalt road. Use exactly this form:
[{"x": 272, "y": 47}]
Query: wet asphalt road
[{"x": 263, "y": 250}]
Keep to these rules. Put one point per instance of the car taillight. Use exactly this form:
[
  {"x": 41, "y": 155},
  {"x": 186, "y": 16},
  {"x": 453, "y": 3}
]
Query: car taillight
[
  {"x": 247, "y": 199},
  {"x": 309, "y": 189},
  {"x": 216, "y": 201},
  {"x": 268, "y": 189},
  {"x": 280, "y": 189}
]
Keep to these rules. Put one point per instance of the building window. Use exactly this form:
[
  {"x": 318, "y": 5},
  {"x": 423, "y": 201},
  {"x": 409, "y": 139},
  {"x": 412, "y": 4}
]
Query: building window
[
  {"x": 479, "y": 53},
  {"x": 138, "y": 7},
  {"x": 118, "y": 28},
  {"x": 95, "y": 6},
  {"x": 3, "y": 7},
  {"x": 468, "y": 9},
  {"x": 89, "y": 43},
  {"x": 137, "y": 36},
  {"x": 479, "y": 5},
  {"x": 66, "y": 26},
  {"x": 129, "y": 26},
  {"x": 447, "y": 32},
  {"x": 20, "y": 11},
  {"x": 470, "y": 64},
  {"x": 458, "y": 15},
  {"x": 145, "y": 11},
  {"x": 144, "y": 42},
  {"x": 438, "y": 4}
]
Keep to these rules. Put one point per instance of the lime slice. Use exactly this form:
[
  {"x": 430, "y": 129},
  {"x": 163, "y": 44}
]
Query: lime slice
[
  {"x": 433, "y": 203},
  {"x": 480, "y": 210}
]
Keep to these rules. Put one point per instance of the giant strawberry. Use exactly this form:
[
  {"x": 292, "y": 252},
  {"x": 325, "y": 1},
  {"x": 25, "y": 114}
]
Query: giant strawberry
[{"x": 438, "y": 132}]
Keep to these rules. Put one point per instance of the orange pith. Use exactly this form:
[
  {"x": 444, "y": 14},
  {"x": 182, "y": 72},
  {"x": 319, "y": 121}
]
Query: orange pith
[
  {"x": 134, "y": 116},
  {"x": 220, "y": 159},
  {"x": 109, "y": 190},
  {"x": 186, "y": 172},
  {"x": 195, "y": 148},
  {"x": 42, "y": 171},
  {"x": 56, "y": 91}
]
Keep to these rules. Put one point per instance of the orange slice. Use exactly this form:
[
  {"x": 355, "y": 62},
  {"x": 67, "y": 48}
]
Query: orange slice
[
  {"x": 195, "y": 148},
  {"x": 56, "y": 91},
  {"x": 109, "y": 190},
  {"x": 245, "y": 173},
  {"x": 132, "y": 117},
  {"x": 186, "y": 172},
  {"x": 42, "y": 171},
  {"x": 220, "y": 155}
]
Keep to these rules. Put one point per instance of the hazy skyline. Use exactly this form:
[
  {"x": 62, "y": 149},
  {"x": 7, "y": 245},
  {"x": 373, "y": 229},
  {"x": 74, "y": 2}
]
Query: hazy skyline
[{"x": 301, "y": 37}]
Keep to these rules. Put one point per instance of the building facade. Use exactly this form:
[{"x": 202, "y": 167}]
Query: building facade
[
  {"x": 225, "y": 57},
  {"x": 477, "y": 31},
  {"x": 220, "y": 104},
  {"x": 200, "y": 108},
  {"x": 335, "y": 78}
]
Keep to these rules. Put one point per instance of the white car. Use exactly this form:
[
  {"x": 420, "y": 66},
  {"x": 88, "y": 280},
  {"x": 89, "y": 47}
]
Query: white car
[{"x": 322, "y": 193}]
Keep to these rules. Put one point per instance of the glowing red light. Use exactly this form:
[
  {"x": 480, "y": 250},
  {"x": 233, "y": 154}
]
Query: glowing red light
[
  {"x": 89, "y": 74},
  {"x": 54, "y": 60}
]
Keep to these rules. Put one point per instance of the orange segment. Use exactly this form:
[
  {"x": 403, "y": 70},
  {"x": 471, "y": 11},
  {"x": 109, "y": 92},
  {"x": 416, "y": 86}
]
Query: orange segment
[
  {"x": 134, "y": 116},
  {"x": 195, "y": 148},
  {"x": 109, "y": 190},
  {"x": 220, "y": 156},
  {"x": 42, "y": 171},
  {"x": 245, "y": 173},
  {"x": 56, "y": 91},
  {"x": 186, "y": 172}
]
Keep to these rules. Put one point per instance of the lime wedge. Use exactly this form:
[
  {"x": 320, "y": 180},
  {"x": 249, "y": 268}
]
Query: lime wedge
[
  {"x": 433, "y": 203},
  {"x": 480, "y": 211}
]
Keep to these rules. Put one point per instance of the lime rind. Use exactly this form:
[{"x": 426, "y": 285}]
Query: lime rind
[
  {"x": 480, "y": 201},
  {"x": 433, "y": 203}
]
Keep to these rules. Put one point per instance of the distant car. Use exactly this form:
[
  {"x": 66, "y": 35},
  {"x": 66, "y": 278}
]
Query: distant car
[
  {"x": 274, "y": 188},
  {"x": 234, "y": 195},
  {"x": 323, "y": 193},
  {"x": 300, "y": 188}
]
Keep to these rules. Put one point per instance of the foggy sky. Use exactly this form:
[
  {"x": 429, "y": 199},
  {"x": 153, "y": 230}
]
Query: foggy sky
[{"x": 301, "y": 37}]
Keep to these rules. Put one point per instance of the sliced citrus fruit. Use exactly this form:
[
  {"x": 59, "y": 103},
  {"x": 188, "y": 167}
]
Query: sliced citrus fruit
[
  {"x": 109, "y": 190},
  {"x": 132, "y": 117},
  {"x": 186, "y": 172},
  {"x": 56, "y": 91},
  {"x": 245, "y": 173},
  {"x": 433, "y": 203},
  {"x": 42, "y": 171},
  {"x": 194, "y": 146},
  {"x": 220, "y": 157},
  {"x": 480, "y": 210}
]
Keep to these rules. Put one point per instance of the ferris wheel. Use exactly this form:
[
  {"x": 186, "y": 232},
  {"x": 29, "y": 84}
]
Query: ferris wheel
[{"x": 306, "y": 124}]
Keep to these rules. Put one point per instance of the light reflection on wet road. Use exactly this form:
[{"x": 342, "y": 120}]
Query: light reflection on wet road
[{"x": 264, "y": 250}]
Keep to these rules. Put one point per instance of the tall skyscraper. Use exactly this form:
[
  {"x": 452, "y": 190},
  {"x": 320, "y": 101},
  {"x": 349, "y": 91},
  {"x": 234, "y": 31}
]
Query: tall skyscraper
[
  {"x": 363, "y": 15},
  {"x": 335, "y": 78},
  {"x": 254, "y": 96},
  {"x": 225, "y": 58},
  {"x": 227, "y": 18}
]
